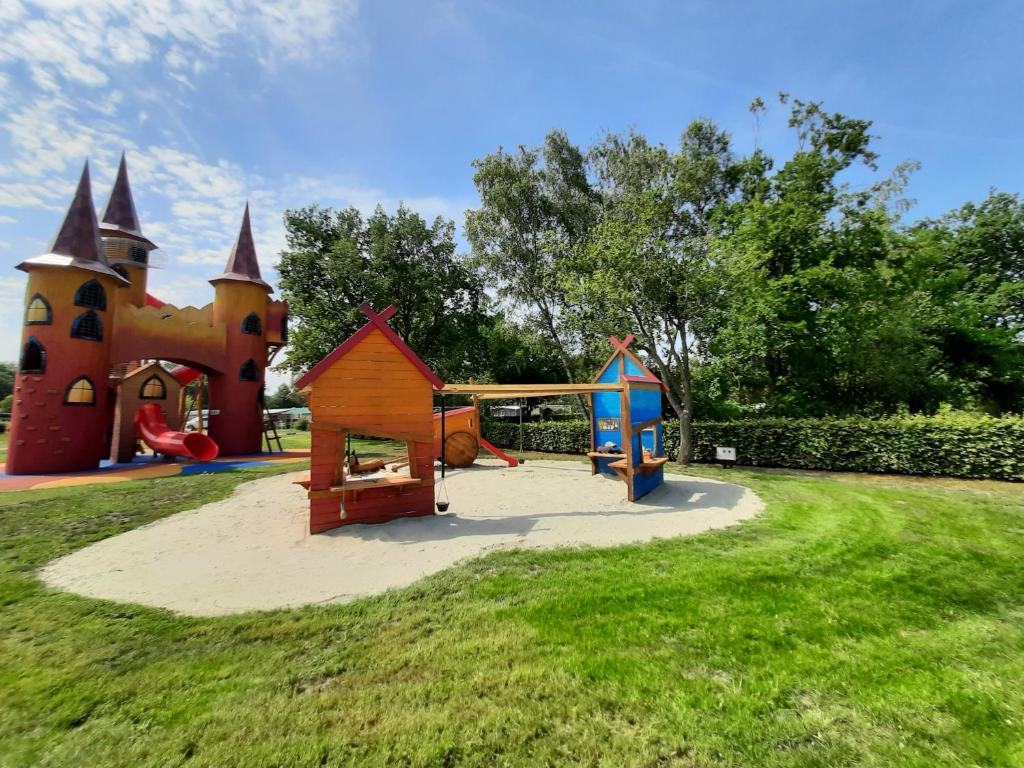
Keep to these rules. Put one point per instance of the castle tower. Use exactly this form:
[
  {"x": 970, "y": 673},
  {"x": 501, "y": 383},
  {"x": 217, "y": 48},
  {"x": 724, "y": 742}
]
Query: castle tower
[
  {"x": 241, "y": 305},
  {"x": 61, "y": 414},
  {"x": 126, "y": 248}
]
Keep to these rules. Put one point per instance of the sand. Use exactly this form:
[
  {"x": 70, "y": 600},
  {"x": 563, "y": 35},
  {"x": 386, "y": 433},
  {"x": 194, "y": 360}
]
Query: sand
[{"x": 252, "y": 551}]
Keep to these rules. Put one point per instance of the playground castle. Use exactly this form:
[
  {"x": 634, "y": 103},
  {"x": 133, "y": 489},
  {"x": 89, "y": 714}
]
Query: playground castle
[{"x": 88, "y": 386}]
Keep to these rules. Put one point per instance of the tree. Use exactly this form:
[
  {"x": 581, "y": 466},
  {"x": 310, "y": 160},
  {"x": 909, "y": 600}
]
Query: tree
[
  {"x": 536, "y": 207},
  {"x": 286, "y": 396},
  {"x": 818, "y": 321},
  {"x": 336, "y": 260},
  {"x": 971, "y": 263},
  {"x": 7, "y": 372},
  {"x": 647, "y": 264}
]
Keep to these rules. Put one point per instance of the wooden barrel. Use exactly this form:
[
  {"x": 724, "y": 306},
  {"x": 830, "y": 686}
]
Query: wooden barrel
[{"x": 460, "y": 449}]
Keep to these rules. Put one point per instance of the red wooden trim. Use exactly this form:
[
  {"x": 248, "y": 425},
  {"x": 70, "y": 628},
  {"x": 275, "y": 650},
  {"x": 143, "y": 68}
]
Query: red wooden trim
[
  {"x": 652, "y": 379},
  {"x": 378, "y": 321},
  {"x": 452, "y": 411},
  {"x": 621, "y": 345}
]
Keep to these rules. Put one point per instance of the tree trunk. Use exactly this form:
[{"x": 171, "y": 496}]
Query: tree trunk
[{"x": 686, "y": 417}]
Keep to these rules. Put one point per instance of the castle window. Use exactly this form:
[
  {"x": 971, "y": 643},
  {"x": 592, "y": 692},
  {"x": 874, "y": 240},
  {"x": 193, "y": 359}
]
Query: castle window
[
  {"x": 252, "y": 324},
  {"x": 91, "y": 294},
  {"x": 248, "y": 371},
  {"x": 138, "y": 254},
  {"x": 33, "y": 357},
  {"x": 121, "y": 271},
  {"x": 87, "y": 326},
  {"x": 80, "y": 392},
  {"x": 38, "y": 311},
  {"x": 284, "y": 328},
  {"x": 153, "y": 389}
]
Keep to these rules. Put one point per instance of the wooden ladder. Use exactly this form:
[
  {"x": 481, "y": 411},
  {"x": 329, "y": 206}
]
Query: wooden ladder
[{"x": 270, "y": 431}]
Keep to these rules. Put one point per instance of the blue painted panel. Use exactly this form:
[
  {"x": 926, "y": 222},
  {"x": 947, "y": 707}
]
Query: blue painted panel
[
  {"x": 633, "y": 369},
  {"x": 601, "y": 437},
  {"x": 603, "y": 468},
  {"x": 644, "y": 484},
  {"x": 644, "y": 405},
  {"x": 607, "y": 405},
  {"x": 648, "y": 440},
  {"x": 611, "y": 373}
]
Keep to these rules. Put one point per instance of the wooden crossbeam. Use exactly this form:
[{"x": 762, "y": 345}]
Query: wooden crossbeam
[
  {"x": 647, "y": 424},
  {"x": 492, "y": 391}
]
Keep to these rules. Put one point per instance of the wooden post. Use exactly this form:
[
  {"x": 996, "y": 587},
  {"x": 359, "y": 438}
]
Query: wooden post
[
  {"x": 627, "y": 431},
  {"x": 593, "y": 439},
  {"x": 339, "y": 460}
]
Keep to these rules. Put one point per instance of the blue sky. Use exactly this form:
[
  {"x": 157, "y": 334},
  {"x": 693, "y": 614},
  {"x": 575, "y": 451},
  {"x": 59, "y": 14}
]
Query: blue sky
[{"x": 354, "y": 102}]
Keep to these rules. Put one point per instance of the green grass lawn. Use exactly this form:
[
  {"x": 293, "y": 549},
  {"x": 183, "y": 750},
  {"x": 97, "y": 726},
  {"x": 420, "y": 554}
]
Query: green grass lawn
[
  {"x": 856, "y": 622},
  {"x": 365, "y": 447}
]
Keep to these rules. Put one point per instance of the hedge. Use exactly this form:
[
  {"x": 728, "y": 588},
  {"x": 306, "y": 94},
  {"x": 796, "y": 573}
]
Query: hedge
[{"x": 956, "y": 446}]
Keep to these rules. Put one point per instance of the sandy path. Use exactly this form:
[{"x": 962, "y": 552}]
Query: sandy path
[{"x": 252, "y": 551}]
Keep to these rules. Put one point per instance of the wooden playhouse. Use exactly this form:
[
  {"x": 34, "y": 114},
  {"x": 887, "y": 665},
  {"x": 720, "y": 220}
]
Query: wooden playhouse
[
  {"x": 630, "y": 419},
  {"x": 372, "y": 385}
]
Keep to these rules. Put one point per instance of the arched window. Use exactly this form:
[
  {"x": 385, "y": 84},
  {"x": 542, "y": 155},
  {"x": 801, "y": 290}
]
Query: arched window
[
  {"x": 33, "y": 357},
  {"x": 87, "y": 326},
  {"x": 252, "y": 324},
  {"x": 80, "y": 392},
  {"x": 91, "y": 294},
  {"x": 138, "y": 254},
  {"x": 38, "y": 311},
  {"x": 248, "y": 371},
  {"x": 153, "y": 389}
]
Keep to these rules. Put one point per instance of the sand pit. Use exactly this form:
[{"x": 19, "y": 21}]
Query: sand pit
[{"x": 252, "y": 551}]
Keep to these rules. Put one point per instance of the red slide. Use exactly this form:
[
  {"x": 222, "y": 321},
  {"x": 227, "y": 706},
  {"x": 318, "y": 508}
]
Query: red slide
[
  {"x": 510, "y": 460},
  {"x": 151, "y": 426}
]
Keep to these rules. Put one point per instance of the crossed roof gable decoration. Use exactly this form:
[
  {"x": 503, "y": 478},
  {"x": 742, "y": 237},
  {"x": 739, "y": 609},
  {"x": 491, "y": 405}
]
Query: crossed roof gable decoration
[{"x": 622, "y": 348}]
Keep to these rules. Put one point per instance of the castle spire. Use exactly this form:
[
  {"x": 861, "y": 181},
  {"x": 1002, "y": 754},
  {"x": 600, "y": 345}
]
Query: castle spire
[
  {"x": 242, "y": 263},
  {"x": 119, "y": 216},
  {"x": 77, "y": 242}
]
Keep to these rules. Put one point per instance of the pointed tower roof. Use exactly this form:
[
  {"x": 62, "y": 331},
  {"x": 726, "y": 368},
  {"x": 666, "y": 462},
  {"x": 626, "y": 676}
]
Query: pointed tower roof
[
  {"x": 77, "y": 242},
  {"x": 119, "y": 216},
  {"x": 242, "y": 263}
]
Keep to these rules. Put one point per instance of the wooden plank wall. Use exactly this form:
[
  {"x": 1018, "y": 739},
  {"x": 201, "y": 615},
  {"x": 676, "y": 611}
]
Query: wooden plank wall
[{"x": 373, "y": 390}]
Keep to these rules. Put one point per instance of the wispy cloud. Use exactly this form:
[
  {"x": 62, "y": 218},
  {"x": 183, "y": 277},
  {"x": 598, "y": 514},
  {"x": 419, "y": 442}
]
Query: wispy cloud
[{"x": 91, "y": 78}]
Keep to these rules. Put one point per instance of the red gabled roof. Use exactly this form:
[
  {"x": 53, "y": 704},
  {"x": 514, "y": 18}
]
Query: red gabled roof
[{"x": 378, "y": 322}]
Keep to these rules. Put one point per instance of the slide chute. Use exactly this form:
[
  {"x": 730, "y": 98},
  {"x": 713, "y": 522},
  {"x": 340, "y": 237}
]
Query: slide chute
[{"x": 151, "y": 426}]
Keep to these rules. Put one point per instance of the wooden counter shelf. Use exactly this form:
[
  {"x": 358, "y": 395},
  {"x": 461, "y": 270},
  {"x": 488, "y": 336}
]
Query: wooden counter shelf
[
  {"x": 362, "y": 484},
  {"x": 599, "y": 455},
  {"x": 644, "y": 468}
]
